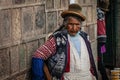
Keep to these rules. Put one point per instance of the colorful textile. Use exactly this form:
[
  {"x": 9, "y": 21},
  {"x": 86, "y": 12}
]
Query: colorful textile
[
  {"x": 103, "y": 49},
  {"x": 100, "y": 14},
  {"x": 45, "y": 52},
  {"x": 101, "y": 22},
  {"x": 37, "y": 69},
  {"x": 101, "y": 26},
  {"x": 57, "y": 62}
]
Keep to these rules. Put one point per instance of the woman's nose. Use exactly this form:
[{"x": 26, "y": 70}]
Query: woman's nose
[{"x": 74, "y": 27}]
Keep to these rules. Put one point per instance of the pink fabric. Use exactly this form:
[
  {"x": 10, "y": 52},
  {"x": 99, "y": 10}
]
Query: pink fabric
[
  {"x": 103, "y": 49},
  {"x": 101, "y": 29}
]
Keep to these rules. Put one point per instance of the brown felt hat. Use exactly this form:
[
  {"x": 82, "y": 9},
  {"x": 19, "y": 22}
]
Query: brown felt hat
[{"x": 74, "y": 9}]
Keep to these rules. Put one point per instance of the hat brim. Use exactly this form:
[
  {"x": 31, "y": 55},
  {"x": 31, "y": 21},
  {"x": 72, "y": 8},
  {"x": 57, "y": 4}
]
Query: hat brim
[{"x": 66, "y": 13}]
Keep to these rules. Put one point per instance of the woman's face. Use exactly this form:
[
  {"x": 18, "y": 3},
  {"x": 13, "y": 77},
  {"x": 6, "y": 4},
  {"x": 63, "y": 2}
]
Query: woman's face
[{"x": 73, "y": 26}]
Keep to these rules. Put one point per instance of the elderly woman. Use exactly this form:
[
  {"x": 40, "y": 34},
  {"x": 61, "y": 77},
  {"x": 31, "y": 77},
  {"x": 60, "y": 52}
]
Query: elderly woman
[{"x": 67, "y": 53}]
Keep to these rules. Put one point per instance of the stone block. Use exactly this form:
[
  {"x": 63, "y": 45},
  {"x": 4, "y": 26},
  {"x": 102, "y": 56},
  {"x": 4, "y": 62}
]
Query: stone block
[
  {"x": 85, "y": 29},
  {"x": 0, "y": 28},
  {"x": 14, "y": 54},
  {"x": 27, "y": 16},
  {"x": 64, "y": 3},
  {"x": 41, "y": 41},
  {"x": 41, "y": 1},
  {"x": 27, "y": 20},
  {"x": 22, "y": 57},
  {"x": 49, "y": 4},
  {"x": 29, "y": 1},
  {"x": 60, "y": 19},
  {"x": 16, "y": 25},
  {"x": 91, "y": 30},
  {"x": 94, "y": 14},
  {"x": 94, "y": 1},
  {"x": 18, "y": 1},
  {"x": 57, "y": 4},
  {"x": 5, "y": 26},
  {"x": 20, "y": 77},
  {"x": 31, "y": 47},
  {"x": 88, "y": 1},
  {"x": 51, "y": 21},
  {"x": 5, "y": 2},
  {"x": 0, "y": 41},
  {"x": 84, "y": 12},
  {"x": 4, "y": 63},
  {"x": 28, "y": 75},
  {"x": 81, "y": 2},
  {"x": 89, "y": 15},
  {"x": 40, "y": 20}
]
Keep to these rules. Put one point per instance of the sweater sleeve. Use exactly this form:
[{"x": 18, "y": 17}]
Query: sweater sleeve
[
  {"x": 41, "y": 54},
  {"x": 37, "y": 69},
  {"x": 46, "y": 50}
]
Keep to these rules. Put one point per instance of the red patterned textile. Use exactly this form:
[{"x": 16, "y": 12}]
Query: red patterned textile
[
  {"x": 101, "y": 27},
  {"x": 46, "y": 50}
]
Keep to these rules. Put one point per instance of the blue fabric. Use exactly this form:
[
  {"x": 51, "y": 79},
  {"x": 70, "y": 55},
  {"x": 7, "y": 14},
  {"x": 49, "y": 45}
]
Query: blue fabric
[
  {"x": 75, "y": 40},
  {"x": 37, "y": 69}
]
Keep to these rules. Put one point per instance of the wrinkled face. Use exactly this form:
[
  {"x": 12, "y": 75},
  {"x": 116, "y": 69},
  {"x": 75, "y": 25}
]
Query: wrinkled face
[{"x": 73, "y": 26}]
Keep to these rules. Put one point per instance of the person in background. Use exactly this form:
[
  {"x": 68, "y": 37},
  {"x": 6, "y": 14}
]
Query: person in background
[
  {"x": 67, "y": 54},
  {"x": 101, "y": 36}
]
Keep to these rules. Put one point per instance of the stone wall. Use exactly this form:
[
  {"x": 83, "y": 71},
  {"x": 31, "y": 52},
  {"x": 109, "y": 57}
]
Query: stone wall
[{"x": 26, "y": 24}]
